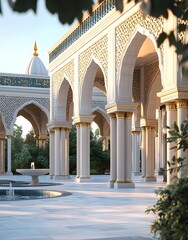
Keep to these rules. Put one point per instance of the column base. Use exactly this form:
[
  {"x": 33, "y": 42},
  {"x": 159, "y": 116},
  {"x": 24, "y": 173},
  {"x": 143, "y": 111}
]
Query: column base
[
  {"x": 110, "y": 184},
  {"x": 124, "y": 184},
  {"x": 9, "y": 173},
  {"x": 83, "y": 179},
  {"x": 50, "y": 176},
  {"x": 136, "y": 173},
  {"x": 61, "y": 177},
  {"x": 150, "y": 179}
]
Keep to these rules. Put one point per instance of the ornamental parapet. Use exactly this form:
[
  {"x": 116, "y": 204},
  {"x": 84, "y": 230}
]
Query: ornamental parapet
[
  {"x": 97, "y": 14},
  {"x": 24, "y": 81}
]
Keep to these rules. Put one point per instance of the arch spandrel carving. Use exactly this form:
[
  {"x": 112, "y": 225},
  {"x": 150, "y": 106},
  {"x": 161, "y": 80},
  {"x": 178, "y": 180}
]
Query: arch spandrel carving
[
  {"x": 67, "y": 70},
  {"x": 125, "y": 31},
  {"x": 100, "y": 51},
  {"x": 58, "y": 77}
]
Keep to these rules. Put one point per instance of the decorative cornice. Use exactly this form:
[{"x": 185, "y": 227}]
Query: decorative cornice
[
  {"x": 121, "y": 107},
  {"x": 83, "y": 118},
  {"x": 148, "y": 122}
]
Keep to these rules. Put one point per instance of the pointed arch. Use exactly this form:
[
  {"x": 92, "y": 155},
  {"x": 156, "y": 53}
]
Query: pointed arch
[
  {"x": 35, "y": 113},
  {"x": 64, "y": 100},
  {"x": 128, "y": 61},
  {"x": 87, "y": 85}
]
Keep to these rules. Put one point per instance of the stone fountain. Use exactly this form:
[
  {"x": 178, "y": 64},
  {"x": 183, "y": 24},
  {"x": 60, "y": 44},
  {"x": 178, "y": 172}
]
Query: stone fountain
[{"x": 33, "y": 172}]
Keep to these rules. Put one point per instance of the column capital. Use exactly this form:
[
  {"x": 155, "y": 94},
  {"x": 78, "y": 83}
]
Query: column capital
[
  {"x": 120, "y": 114},
  {"x": 128, "y": 114},
  {"x": 85, "y": 124},
  {"x": 181, "y": 103},
  {"x": 170, "y": 106},
  {"x": 112, "y": 115},
  {"x": 135, "y": 132}
]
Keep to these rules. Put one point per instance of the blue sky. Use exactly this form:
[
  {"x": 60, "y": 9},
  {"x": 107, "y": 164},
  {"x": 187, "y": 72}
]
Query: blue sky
[{"x": 19, "y": 31}]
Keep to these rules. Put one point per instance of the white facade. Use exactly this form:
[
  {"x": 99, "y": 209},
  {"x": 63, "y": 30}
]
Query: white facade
[{"x": 117, "y": 53}]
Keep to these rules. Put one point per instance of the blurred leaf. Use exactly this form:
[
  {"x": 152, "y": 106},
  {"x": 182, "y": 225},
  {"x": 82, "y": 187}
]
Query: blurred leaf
[
  {"x": 25, "y": 5},
  {"x": 161, "y": 38},
  {"x": 119, "y": 5}
]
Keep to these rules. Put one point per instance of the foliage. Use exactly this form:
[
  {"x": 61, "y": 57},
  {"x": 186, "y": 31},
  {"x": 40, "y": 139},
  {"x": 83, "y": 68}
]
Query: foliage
[
  {"x": 100, "y": 160},
  {"x": 172, "y": 211},
  {"x": 25, "y": 151},
  {"x": 172, "y": 204}
]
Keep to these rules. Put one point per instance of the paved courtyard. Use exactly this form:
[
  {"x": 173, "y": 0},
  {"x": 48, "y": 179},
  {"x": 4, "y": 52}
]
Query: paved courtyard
[{"x": 93, "y": 211}]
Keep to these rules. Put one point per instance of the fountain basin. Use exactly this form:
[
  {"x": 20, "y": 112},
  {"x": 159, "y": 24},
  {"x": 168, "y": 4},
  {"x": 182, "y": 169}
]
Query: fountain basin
[
  {"x": 19, "y": 194},
  {"x": 34, "y": 173}
]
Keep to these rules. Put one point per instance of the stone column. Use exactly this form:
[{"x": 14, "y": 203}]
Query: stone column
[
  {"x": 78, "y": 150},
  {"x": 171, "y": 112},
  {"x": 84, "y": 151},
  {"x": 67, "y": 153},
  {"x": 143, "y": 152},
  {"x": 9, "y": 172},
  {"x": 120, "y": 149},
  {"x": 57, "y": 152},
  {"x": 52, "y": 152},
  {"x": 124, "y": 151},
  {"x": 136, "y": 152},
  {"x": 150, "y": 153},
  {"x": 2, "y": 154},
  {"x": 181, "y": 116},
  {"x": 128, "y": 150},
  {"x": 62, "y": 152},
  {"x": 113, "y": 150}
]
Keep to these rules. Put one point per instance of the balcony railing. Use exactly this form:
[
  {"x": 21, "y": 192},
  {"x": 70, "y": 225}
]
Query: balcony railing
[{"x": 104, "y": 8}]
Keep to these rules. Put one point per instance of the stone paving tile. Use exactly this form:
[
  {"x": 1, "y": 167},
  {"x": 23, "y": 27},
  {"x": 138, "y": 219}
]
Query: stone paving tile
[{"x": 92, "y": 212}]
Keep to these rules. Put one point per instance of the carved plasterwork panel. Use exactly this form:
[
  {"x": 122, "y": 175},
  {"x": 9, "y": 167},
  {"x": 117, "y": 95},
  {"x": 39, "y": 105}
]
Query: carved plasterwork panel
[
  {"x": 150, "y": 72},
  {"x": 57, "y": 79},
  {"x": 9, "y": 105},
  {"x": 100, "y": 104},
  {"x": 125, "y": 31},
  {"x": 136, "y": 94},
  {"x": 100, "y": 51},
  {"x": 69, "y": 101}
]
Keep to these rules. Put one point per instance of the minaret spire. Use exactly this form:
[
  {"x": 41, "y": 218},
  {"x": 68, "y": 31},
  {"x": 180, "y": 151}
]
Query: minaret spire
[{"x": 35, "y": 50}]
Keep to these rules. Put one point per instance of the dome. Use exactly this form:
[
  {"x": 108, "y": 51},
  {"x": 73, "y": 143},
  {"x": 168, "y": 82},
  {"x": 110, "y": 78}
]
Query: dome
[{"x": 36, "y": 66}]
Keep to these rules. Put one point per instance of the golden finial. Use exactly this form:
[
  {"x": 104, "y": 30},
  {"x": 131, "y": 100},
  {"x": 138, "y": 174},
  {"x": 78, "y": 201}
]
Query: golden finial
[{"x": 35, "y": 50}]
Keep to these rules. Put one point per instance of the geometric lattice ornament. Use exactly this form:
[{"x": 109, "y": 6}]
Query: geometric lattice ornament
[
  {"x": 57, "y": 79},
  {"x": 100, "y": 51},
  {"x": 125, "y": 31}
]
